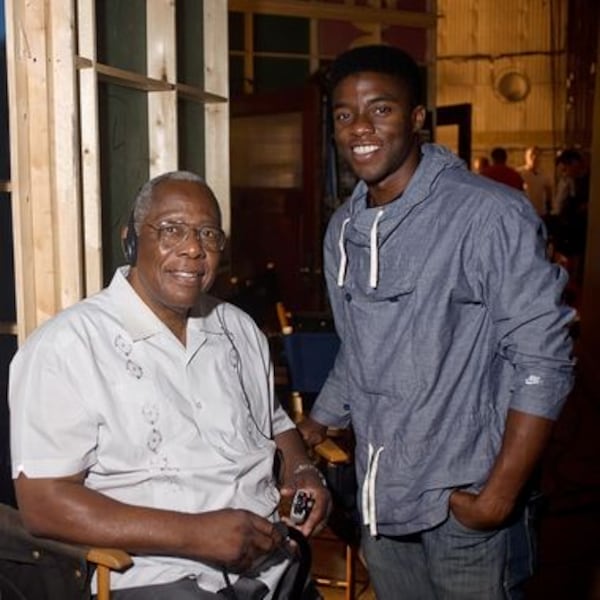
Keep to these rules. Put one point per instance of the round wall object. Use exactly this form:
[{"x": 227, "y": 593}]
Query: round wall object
[{"x": 513, "y": 86}]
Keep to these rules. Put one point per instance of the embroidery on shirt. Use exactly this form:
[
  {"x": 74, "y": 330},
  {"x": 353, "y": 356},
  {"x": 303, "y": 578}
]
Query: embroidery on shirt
[
  {"x": 154, "y": 440},
  {"x": 150, "y": 410},
  {"x": 122, "y": 345},
  {"x": 533, "y": 380},
  {"x": 134, "y": 369},
  {"x": 151, "y": 413}
]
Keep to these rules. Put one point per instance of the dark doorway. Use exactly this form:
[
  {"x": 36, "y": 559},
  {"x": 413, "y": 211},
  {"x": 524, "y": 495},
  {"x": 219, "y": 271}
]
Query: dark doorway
[
  {"x": 458, "y": 115},
  {"x": 276, "y": 196}
]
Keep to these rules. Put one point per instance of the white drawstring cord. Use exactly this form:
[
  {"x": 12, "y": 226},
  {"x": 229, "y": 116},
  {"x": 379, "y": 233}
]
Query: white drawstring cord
[
  {"x": 372, "y": 504},
  {"x": 368, "y": 490},
  {"x": 365, "y": 488},
  {"x": 374, "y": 262},
  {"x": 343, "y": 257}
]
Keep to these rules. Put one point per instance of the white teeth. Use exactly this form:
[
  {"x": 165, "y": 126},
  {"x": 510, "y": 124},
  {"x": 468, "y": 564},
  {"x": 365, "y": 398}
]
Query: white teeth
[
  {"x": 364, "y": 149},
  {"x": 185, "y": 274}
]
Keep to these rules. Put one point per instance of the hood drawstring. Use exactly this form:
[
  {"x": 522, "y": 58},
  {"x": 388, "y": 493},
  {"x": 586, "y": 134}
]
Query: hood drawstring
[
  {"x": 374, "y": 251},
  {"x": 368, "y": 490},
  {"x": 343, "y": 256}
]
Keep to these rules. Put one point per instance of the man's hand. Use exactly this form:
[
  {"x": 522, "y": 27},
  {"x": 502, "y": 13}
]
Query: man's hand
[
  {"x": 239, "y": 538},
  {"x": 525, "y": 438},
  {"x": 312, "y": 432},
  {"x": 477, "y": 512},
  {"x": 309, "y": 481}
]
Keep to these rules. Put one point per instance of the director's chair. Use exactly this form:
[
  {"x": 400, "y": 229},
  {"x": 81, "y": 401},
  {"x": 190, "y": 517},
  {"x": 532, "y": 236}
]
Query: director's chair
[
  {"x": 309, "y": 356},
  {"x": 34, "y": 568}
]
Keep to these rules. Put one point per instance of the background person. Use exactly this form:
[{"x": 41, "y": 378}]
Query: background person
[
  {"x": 500, "y": 171},
  {"x": 144, "y": 417},
  {"x": 455, "y": 355},
  {"x": 480, "y": 163},
  {"x": 538, "y": 186},
  {"x": 569, "y": 228}
]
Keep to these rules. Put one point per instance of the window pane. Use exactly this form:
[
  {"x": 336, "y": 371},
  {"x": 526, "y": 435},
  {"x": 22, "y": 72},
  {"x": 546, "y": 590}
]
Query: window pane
[
  {"x": 236, "y": 75},
  {"x": 190, "y": 42},
  {"x": 121, "y": 30},
  {"x": 281, "y": 34},
  {"x": 124, "y": 160},
  {"x": 191, "y": 136},
  {"x": 276, "y": 73},
  {"x": 7, "y": 269},
  {"x": 236, "y": 30}
]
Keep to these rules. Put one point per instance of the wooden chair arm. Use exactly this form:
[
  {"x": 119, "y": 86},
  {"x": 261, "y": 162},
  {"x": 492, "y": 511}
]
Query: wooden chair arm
[
  {"x": 113, "y": 558},
  {"x": 331, "y": 452},
  {"x": 107, "y": 560}
]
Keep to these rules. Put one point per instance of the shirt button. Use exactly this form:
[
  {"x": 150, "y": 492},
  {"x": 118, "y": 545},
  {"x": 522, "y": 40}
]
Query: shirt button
[{"x": 348, "y": 296}]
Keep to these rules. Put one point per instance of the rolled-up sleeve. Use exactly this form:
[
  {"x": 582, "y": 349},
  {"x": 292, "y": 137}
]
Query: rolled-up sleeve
[{"x": 524, "y": 293}]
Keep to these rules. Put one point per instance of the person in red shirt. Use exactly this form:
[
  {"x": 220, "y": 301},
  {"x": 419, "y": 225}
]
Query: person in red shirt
[{"x": 500, "y": 171}]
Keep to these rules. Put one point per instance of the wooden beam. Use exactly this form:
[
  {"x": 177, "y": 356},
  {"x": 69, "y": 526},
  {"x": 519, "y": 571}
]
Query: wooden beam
[
  {"x": 162, "y": 105},
  {"x": 191, "y": 92},
  {"x": 90, "y": 148},
  {"x": 27, "y": 76},
  {"x": 322, "y": 10},
  {"x": 8, "y": 328},
  {"x": 125, "y": 78},
  {"x": 65, "y": 168},
  {"x": 216, "y": 81}
]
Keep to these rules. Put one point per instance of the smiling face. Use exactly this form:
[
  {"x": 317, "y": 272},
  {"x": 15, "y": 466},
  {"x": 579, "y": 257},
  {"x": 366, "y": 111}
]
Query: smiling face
[
  {"x": 376, "y": 131},
  {"x": 171, "y": 280}
]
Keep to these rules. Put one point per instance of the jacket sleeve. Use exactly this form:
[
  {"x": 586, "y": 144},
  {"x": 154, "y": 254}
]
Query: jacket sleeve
[{"x": 524, "y": 294}]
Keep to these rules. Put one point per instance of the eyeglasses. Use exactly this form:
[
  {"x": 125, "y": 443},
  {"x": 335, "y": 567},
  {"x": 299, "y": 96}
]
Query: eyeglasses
[{"x": 171, "y": 235}]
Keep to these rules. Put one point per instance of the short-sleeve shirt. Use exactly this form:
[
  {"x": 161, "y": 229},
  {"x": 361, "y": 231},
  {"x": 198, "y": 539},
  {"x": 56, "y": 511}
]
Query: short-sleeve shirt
[
  {"x": 106, "y": 388},
  {"x": 537, "y": 188}
]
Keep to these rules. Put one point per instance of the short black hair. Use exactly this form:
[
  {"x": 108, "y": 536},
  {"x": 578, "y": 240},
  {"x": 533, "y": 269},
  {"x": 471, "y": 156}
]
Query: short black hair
[
  {"x": 568, "y": 157},
  {"x": 378, "y": 58},
  {"x": 499, "y": 155}
]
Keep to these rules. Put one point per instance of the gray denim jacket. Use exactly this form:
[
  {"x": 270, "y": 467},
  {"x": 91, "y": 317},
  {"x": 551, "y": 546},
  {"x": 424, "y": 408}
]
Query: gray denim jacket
[{"x": 449, "y": 314}]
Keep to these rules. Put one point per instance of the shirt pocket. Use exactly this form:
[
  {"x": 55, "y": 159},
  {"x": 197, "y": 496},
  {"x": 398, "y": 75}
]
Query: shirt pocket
[{"x": 381, "y": 326}]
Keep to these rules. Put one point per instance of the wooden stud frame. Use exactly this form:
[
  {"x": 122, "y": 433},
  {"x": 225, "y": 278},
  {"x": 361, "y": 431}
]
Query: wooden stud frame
[
  {"x": 370, "y": 19},
  {"x": 314, "y": 9},
  {"x": 53, "y": 77}
]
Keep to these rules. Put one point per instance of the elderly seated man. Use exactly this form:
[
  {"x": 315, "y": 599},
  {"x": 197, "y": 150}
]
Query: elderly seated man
[{"x": 144, "y": 418}]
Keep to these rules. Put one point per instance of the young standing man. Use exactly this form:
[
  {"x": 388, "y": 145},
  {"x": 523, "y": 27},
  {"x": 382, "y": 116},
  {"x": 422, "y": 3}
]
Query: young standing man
[{"x": 455, "y": 357}]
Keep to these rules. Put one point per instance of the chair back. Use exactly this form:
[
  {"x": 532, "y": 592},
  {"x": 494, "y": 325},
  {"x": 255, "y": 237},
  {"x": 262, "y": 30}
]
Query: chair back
[
  {"x": 310, "y": 357},
  {"x": 38, "y": 569}
]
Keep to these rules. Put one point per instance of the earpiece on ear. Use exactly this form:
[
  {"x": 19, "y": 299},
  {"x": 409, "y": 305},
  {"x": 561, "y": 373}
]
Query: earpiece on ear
[{"x": 130, "y": 242}]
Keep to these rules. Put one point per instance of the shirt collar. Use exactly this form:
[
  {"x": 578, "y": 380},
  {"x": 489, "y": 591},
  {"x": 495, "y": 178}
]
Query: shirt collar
[{"x": 135, "y": 315}]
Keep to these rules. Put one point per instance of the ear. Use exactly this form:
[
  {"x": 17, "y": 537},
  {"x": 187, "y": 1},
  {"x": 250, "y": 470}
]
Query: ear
[{"x": 418, "y": 117}]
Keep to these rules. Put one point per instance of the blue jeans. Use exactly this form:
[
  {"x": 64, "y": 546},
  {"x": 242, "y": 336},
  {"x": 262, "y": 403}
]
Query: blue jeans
[{"x": 452, "y": 562}]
